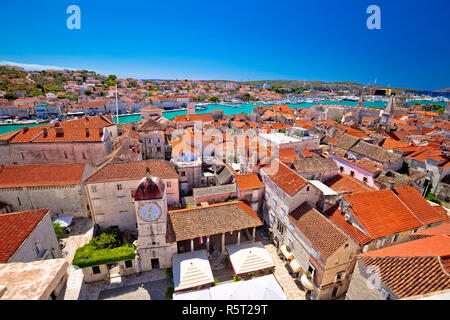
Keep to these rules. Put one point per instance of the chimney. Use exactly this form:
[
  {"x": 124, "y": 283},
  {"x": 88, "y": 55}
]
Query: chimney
[
  {"x": 87, "y": 132},
  {"x": 25, "y": 129},
  {"x": 45, "y": 132},
  {"x": 59, "y": 132},
  {"x": 57, "y": 124}
]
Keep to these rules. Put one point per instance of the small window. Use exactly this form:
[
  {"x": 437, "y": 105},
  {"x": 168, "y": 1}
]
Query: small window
[
  {"x": 84, "y": 155},
  {"x": 282, "y": 212},
  {"x": 339, "y": 276},
  {"x": 182, "y": 173},
  {"x": 94, "y": 189},
  {"x": 22, "y": 155},
  {"x": 352, "y": 173},
  {"x": 346, "y": 246},
  {"x": 65, "y": 155},
  {"x": 365, "y": 179},
  {"x": 341, "y": 169},
  {"x": 291, "y": 227},
  {"x": 121, "y": 200},
  {"x": 95, "y": 269},
  {"x": 97, "y": 202},
  {"x": 290, "y": 244},
  {"x": 37, "y": 248},
  {"x": 169, "y": 184},
  {"x": 307, "y": 188},
  {"x": 128, "y": 263},
  {"x": 119, "y": 187},
  {"x": 311, "y": 270},
  {"x": 395, "y": 238}
]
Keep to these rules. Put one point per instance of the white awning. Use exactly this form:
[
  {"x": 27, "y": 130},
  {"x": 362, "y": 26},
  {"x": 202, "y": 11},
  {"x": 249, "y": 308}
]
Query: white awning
[
  {"x": 191, "y": 270},
  {"x": 262, "y": 288},
  {"x": 193, "y": 295},
  {"x": 249, "y": 257},
  {"x": 306, "y": 282},
  {"x": 295, "y": 266},
  {"x": 286, "y": 253}
]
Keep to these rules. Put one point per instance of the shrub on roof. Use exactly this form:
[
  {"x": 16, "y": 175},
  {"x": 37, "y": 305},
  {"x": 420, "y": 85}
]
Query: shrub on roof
[
  {"x": 109, "y": 239},
  {"x": 103, "y": 249},
  {"x": 88, "y": 255}
]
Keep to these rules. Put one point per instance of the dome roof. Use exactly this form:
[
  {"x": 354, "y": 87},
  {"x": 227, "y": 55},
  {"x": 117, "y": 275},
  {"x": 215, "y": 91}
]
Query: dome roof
[{"x": 150, "y": 188}]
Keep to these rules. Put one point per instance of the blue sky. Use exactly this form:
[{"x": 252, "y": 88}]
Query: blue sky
[{"x": 237, "y": 40}]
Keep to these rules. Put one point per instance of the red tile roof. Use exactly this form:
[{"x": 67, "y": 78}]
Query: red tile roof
[
  {"x": 287, "y": 155},
  {"x": 324, "y": 235},
  {"x": 346, "y": 183},
  {"x": 248, "y": 181},
  {"x": 435, "y": 246},
  {"x": 15, "y": 228},
  {"x": 339, "y": 218},
  {"x": 420, "y": 207},
  {"x": 381, "y": 213},
  {"x": 192, "y": 223},
  {"x": 72, "y": 131},
  {"x": 443, "y": 229},
  {"x": 41, "y": 175},
  {"x": 133, "y": 170},
  {"x": 410, "y": 276},
  {"x": 285, "y": 178}
]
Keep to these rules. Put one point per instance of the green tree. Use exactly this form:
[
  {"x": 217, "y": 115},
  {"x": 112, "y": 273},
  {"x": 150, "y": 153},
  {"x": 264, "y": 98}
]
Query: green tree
[{"x": 213, "y": 99}]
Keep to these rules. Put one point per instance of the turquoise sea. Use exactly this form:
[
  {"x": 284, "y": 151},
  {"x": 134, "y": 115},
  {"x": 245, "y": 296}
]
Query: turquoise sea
[{"x": 234, "y": 109}]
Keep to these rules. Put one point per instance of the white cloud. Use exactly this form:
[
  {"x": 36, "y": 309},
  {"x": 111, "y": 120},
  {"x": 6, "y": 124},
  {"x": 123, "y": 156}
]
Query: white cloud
[{"x": 33, "y": 67}]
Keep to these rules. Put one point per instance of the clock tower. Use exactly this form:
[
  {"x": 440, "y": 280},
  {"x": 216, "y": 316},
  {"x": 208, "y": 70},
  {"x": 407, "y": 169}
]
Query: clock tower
[{"x": 150, "y": 202}]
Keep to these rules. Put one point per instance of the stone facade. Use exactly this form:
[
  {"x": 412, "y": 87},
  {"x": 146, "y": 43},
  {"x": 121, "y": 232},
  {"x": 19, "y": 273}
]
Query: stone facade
[
  {"x": 112, "y": 203},
  {"x": 68, "y": 200}
]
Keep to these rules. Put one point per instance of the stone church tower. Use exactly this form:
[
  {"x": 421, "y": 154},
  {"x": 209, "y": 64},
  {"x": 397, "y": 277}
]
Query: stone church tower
[
  {"x": 388, "y": 115},
  {"x": 361, "y": 102},
  {"x": 191, "y": 108},
  {"x": 155, "y": 247}
]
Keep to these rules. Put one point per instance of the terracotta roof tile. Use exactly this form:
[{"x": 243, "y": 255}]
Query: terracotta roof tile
[
  {"x": 410, "y": 276},
  {"x": 133, "y": 170},
  {"x": 346, "y": 183},
  {"x": 248, "y": 181},
  {"x": 15, "y": 228},
  {"x": 381, "y": 212},
  {"x": 41, "y": 175},
  {"x": 200, "y": 221},
  {"x": 285, "y": 178},
  {"x": 324, "y": 235},
  {"x": 339, "y": 218},
  {"x": 418, "y": 205}
]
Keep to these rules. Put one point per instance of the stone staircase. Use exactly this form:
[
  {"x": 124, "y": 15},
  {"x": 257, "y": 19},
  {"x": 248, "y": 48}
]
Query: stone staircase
[{"x": 217, "y": 261}]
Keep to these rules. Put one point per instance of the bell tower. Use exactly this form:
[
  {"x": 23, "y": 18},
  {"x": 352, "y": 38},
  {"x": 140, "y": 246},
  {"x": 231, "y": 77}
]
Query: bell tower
[
  {"x": 152, "y": 221},
  {"x": 387, "y": 115}
]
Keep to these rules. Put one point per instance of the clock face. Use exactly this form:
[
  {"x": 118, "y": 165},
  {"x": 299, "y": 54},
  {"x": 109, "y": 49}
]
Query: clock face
[{"x": 150, "y": 212}]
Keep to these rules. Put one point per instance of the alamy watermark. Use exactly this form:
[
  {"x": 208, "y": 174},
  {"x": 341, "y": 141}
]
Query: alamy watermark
[
  {"x": 74, "y": 20},
  {"x": 374, "y": 20}
]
